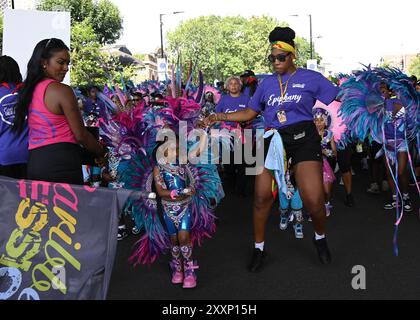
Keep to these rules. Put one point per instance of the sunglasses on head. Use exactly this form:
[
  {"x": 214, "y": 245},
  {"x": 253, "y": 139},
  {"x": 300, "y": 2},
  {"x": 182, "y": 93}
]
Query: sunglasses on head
[{"x": 279, "y": 57}]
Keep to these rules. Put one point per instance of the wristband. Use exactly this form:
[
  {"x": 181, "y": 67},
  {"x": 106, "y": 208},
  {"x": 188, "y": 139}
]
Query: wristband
[{"x": 174, "y": 194}]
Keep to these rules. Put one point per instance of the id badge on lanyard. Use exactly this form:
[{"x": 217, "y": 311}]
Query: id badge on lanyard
[{"x": 281, "y": 116}]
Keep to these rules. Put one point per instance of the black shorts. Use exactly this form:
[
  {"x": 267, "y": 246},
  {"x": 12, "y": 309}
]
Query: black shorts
[
  {"x": 301, "y": 142},
  {"x": 344, "y": 159}
]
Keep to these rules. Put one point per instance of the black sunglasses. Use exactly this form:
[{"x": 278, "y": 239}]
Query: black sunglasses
[{"x": 280, "y": 57}]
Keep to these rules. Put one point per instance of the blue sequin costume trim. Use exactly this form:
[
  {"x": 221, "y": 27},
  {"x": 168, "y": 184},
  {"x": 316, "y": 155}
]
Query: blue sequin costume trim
[{"x": 177, "y": 214}]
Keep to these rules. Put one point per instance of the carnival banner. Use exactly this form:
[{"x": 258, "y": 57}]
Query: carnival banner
[{"x": 57, "y": 241}]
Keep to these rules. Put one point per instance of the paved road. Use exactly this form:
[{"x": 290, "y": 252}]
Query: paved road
[{"x": 357, "y": 236}]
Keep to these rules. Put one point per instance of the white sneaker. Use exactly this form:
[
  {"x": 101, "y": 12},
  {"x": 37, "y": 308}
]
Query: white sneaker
[
  {"x": 284, "y": 221},
  {"x": 374, "y": 188},
  {"x": 341, "y": 182},
  {"x": 407, "y": 205},
  {"x": 135, "y": 230},
  {"x": 328, "y": 208},
  {"x": 298, "y": 230}
]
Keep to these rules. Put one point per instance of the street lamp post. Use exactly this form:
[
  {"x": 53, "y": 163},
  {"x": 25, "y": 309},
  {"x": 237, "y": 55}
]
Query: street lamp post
[
  {"x": 161, "y": 29},
  {"x": 13, "y": 4},
  {"x": 310, "y": 34},
  {"x": 161, "y": 35},
  {"x": 215, "y": 59}
]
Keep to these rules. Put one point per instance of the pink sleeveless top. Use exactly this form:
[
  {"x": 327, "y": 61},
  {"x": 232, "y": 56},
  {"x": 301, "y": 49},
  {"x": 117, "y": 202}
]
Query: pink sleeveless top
[{"x": 45, "y": 127}]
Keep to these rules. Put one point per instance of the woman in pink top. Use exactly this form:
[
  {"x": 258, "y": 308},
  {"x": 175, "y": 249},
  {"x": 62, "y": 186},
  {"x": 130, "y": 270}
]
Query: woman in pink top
[{"x": 56, "y": 128}]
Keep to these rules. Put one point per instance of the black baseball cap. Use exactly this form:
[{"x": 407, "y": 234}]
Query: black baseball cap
[{"x": 248, "y": 73}]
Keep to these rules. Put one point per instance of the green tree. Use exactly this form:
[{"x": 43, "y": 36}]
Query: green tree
[
  {"x": 414, "y": 68},
  {"x": 139, "y": 56},
  {"x": 385, "y": 63},
  {"x": 107, "y": 22},
  {"x": 115, "y": 71},
  {"x": 224, "y": 46},
  {"x": 1, "y": 34},
  {"x": 86, "y": 56},
  {"x": 90, "y": 65},
  {"x": 104, "y": 16},
  {"x": 304, "y": 52}
]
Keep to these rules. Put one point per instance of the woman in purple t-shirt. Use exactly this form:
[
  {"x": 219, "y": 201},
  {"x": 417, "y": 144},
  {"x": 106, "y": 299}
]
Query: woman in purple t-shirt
[
  {"x": 13, "y": 146},
  {"x": 286, "y": 99},
  {"x": 234, "y": 101}
]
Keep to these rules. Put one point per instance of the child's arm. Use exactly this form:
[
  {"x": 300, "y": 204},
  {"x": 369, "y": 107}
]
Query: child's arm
[{"x": 161, "y": 188}]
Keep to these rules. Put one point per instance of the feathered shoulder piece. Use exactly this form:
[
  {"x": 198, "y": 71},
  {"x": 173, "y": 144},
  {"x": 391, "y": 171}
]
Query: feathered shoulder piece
[
  {"x": 401, "y": 85},
  {"x": 363, "y": 108},
  {"x": 333, "y": 121}
]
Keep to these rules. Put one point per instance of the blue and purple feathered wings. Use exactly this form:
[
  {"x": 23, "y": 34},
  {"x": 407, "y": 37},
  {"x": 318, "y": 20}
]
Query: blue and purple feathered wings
[
  {"x": 154, "y": 239},
  {"x": 403, "y": 87},
  {"x": 208, "y": 194},
  {"x": 362, "y": 107}
]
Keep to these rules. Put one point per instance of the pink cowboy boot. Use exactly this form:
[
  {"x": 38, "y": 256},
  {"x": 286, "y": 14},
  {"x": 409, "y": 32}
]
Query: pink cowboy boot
[
  {"x": 190, "y": 278},
  {"x": 176, "y": 268}
]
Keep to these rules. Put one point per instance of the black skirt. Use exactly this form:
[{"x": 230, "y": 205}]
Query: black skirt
[{"x": 60, "y": 162}]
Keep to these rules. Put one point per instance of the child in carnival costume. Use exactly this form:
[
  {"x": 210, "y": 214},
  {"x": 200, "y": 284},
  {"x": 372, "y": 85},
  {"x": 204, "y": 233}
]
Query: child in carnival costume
[
  {"x": 176, "y": 191},
  {"x": 291, "y": 201},
  {"x": 283, "y": 184},
  {"x": 188, "y": 192},
  {"x": 322, "y": 121}
]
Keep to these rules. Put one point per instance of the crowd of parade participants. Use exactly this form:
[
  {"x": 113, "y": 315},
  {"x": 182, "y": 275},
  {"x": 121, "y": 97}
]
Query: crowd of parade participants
[{"x": 308, "y": 129}]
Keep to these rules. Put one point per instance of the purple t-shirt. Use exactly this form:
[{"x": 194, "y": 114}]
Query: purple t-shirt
[
  {"x": 13, "y": 145},
  {"x": 247, "y": 91},
  {"x": 304, "y": 88},
  {"x": 95, "y": 107},
  {"x": 394, "y": 121},
  {"x": 229, "y": 104}
]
